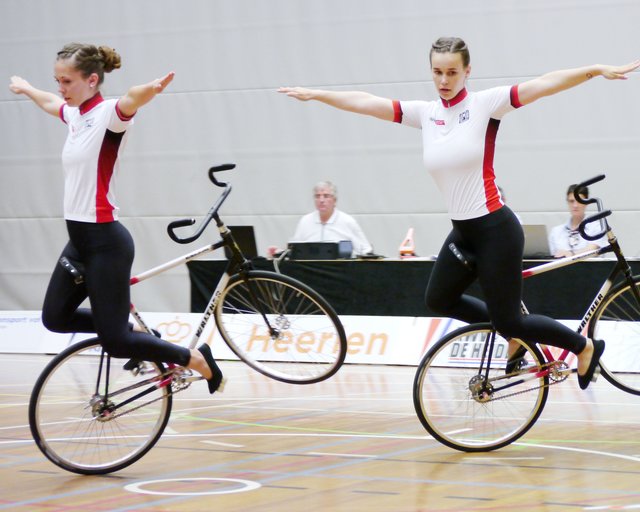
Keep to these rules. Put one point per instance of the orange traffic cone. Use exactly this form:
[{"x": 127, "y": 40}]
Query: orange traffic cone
[{"x": 408, "y": 247}]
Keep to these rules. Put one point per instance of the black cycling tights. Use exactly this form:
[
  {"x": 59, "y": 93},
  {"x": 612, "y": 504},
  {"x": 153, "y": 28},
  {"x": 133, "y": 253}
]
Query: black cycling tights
[
  {"x": 106, "y": 251},
  {"x": 497, "y": 242}
]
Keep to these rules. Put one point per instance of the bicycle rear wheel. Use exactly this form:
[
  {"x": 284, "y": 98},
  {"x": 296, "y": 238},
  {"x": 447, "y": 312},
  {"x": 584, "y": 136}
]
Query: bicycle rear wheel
[
  {"x": 281, "y": 327},
  {"x": 468, "y": 407},
  {"x": 618, "y": 318},
  {"x": 79, "y": 426}
]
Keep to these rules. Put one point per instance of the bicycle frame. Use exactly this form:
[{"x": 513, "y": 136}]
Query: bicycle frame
[
  {"x": 237, "y": 263},
  {"x": 244, "y": 302},
  {"x": 621, "y": 267}
]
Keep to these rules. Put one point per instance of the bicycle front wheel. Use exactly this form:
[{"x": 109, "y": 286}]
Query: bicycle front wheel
[
  {"x": 618, "y": 318},
  {"x": 281, "y": 327},
  {"x": 85, "y": 415},
  {"x": 470, "y": 404}
]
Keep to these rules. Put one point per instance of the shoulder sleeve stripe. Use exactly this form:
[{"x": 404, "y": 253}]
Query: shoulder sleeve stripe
[
  {"x": 515, "y": 100},
  {"x": 61, "y": 113},
  {"x": 121, "y": 115},
  {"x": 397, "y": 111}
]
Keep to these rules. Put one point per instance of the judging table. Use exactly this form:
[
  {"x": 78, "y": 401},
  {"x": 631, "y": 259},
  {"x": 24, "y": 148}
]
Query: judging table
[{"x": 393, "y": 287}]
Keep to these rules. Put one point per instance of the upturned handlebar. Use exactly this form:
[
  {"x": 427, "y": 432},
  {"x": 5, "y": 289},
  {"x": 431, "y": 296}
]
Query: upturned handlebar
[
  {"x": 600, "y": 216},
  {"x": 594, "y": 218},
  {"x": 210, "y": 214},
  {"x": 584, "y": 185}
]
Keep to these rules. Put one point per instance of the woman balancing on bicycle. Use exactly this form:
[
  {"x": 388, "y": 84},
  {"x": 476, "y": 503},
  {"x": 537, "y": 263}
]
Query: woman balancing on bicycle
[
  {"x": 458, "y": 133},
  {"x": 97, "y": 134}
]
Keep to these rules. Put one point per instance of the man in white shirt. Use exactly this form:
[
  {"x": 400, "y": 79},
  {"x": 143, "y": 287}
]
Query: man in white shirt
[
  {"x": 328, "y": 224},
  {"x": 565, "y": 239}
]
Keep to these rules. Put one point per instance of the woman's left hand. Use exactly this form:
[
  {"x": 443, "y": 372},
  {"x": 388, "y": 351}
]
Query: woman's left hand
[
  {"x": 140, "y": 95},
  {"x": 159, "y": 84},
  {"x": 619, "y": 72}
]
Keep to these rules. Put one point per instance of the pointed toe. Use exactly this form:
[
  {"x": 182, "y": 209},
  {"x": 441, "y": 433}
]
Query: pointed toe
[{"x": 217, "y": 381}]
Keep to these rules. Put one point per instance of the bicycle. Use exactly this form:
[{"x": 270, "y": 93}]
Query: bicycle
[
  {"x": 91, "y": 415},
  {"x": 470, "y": 397}
]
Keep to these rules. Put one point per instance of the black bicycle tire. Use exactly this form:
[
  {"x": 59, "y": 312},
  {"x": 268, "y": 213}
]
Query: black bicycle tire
[
  {"x": 418, "y": 385},
  {"x": 311, "y": 293},
  {"x": 614, "y": 292},
  {"x": 42, "y": 444}
]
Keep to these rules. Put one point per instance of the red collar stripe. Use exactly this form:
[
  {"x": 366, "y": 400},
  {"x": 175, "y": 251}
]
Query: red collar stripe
[
  {"x": 86, "y": 106},
  {"x": 455, "y": 100}
]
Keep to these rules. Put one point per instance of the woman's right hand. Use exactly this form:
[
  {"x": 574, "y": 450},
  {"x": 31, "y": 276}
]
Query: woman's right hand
[
  {"x": 18, "y": 85},
  {"x": 351, "y": 101},
  {"x": 47, "y": 101},
  {"x": 299, "y": 93}
]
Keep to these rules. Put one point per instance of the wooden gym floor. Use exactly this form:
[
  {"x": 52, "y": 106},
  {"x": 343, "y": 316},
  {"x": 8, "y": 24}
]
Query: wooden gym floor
[{"x": 348, "y": 444}]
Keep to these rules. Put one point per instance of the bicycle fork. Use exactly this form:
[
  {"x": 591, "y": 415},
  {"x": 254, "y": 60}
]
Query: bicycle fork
[{"x": 273, "y": 331}]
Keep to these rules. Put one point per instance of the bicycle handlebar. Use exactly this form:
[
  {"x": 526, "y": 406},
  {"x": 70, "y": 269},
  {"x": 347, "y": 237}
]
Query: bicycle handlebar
[
  {"x": 585, "y": 184},
  {"x": 600, "y": 216},
  {"x": 597, "y": 217},
  {"x": 210, "y": 215},
  {"x": 219, "y": 168}
]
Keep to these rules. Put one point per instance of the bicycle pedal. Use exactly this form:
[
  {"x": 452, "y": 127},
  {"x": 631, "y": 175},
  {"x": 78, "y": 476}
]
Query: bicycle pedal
[
  {"x": 220, "y": 388},
  {"x": 131, "y": 365},
  {"x": 183, "y": 375},
  {"x": 138, "y": 367},
  {"x": 146, "y": 368},
  {"x": 565, "y": 372},
  {"x": 594, "y": 377}
]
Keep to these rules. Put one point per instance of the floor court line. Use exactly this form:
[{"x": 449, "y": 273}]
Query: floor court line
[{"x": 380, "y": 458}]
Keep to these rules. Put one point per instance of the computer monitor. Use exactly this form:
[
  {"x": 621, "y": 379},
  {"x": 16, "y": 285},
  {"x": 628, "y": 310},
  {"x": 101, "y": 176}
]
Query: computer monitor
[
  {"x": 536, "y": 241},
  {"x": 245, "y": 237},
  {"x": 320, "y": 250}
]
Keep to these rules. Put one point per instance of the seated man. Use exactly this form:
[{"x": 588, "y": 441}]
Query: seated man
[
  {"x": 328, "y": 224},
  {"x": 565, "y": 239}
]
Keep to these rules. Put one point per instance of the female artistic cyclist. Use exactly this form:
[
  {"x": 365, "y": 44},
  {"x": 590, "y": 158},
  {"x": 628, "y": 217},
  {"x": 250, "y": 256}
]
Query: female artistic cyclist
[
  {"x": 97, "y": 135},
  {"x": 459, "y": 131}
]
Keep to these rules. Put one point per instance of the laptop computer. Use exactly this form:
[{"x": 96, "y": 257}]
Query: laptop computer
[
  {"x": 536, "y": 241},
  {"x": 320, "y": 250},
  {"x": 245, "y": 237}
]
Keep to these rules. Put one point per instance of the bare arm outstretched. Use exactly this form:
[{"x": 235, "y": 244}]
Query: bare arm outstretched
[
  {"x": 351, "y": 101},
  {"x": 140, "y": 95},
  {"x": 557, "y": 81},
  {"x": 47, "y": 101}
]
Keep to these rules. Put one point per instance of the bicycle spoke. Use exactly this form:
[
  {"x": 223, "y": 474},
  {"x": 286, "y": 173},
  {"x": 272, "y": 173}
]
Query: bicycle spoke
[
  {"x": 470, "y": 406},
  {"x": 91, "y": 433},
  {"x": 281, "y": 328},
  {"x": 618, "y": 319}
]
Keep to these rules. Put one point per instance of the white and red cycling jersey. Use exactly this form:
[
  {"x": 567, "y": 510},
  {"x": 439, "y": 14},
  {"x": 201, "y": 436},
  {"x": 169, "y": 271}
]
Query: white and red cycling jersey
[
  {"x": 458, "y": 139},
  {"x": 97, "y": 134}
]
